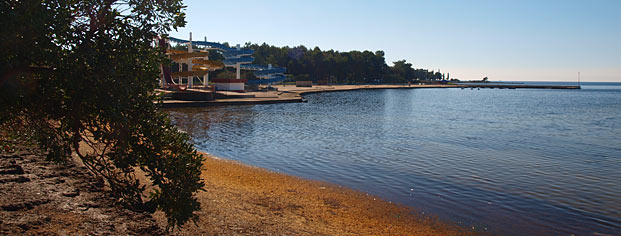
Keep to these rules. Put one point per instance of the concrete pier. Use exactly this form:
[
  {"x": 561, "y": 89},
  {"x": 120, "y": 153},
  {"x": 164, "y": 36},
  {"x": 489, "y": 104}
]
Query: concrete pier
[{"x": 291, "y": 93}]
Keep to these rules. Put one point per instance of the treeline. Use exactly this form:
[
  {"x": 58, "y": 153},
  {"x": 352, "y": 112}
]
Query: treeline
[{"x": 353, "y": 67}]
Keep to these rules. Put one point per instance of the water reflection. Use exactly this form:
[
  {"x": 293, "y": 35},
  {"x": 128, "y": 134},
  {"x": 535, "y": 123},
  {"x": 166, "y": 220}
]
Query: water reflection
[{"x": 518, "y": 162}]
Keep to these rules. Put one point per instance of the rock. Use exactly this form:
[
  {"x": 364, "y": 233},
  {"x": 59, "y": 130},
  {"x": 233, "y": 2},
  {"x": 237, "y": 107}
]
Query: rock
[
  {"x": 12, "y": 170},
  {"x": 71, "y": 193},
  {"x": 38, "y": 197},
  {"x": 20, "y": 179},
  {"x": 13, "y": 156},
  {"x": 24, "y": 205}
]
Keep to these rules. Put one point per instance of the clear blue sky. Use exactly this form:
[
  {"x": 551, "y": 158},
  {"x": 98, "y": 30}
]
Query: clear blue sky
[{"x": 546, "y": 40}]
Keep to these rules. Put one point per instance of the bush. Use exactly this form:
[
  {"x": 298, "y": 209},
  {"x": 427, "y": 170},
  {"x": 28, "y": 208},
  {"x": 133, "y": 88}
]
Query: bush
[{"x": 80, "y": 75}]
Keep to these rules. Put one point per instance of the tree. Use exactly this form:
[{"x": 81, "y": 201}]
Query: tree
[
  {"x": 345, "y": 67},
  {"x": 402, "y": 70},
  {"x": 79, "y": 77}
]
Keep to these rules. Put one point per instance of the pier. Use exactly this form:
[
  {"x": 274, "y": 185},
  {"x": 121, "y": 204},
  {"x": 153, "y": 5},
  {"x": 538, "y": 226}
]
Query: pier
[
  {"x": 292, "y": 94},
  {"x": 518, "y": 86}
]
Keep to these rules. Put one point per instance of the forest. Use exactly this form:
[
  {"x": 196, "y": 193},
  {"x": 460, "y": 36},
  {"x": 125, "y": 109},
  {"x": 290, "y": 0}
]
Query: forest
[{"x": 334, "y": 67}]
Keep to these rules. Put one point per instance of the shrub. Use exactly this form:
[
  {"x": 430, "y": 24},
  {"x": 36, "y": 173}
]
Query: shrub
[{"x": 80, "y": 75}]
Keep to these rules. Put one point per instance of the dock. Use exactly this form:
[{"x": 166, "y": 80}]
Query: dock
[
  {"x": 519, "y": 86},
  {"x": 293, "y": 94}
]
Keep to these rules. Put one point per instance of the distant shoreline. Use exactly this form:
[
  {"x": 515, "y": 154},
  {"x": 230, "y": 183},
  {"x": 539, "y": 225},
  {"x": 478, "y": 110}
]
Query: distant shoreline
[{"x": 292, "y": 94}]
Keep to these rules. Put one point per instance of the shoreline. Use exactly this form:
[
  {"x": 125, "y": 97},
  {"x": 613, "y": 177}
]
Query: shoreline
[
  {"x": 242, "y": 199},
  {"x": 41, "y": 197},
  {"x": 259, "y": 200},
  {"x": 293, "y": 94}
]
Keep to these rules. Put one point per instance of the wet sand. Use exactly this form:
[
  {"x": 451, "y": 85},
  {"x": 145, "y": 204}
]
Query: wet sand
[
  {"x": 245, "y": 200},
  {"x": 43, "y": 198}
]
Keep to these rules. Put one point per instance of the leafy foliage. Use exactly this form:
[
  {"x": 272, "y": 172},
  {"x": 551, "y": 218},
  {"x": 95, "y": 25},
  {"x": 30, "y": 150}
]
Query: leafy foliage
[
  {"x": 79, "y": 75},
  {"x": 352, "y": 67}
]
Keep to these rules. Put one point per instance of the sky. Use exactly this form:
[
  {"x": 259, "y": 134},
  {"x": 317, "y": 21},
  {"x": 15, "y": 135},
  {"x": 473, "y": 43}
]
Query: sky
[{"x": 505, "y": 40}]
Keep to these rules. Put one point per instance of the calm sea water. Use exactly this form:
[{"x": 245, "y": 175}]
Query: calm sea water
[{"x": 514, "y": 162}]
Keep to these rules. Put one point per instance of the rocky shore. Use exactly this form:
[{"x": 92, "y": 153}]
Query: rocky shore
[{"x": 38, "y": 197}]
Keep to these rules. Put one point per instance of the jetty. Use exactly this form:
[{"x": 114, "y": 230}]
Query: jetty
[
  {"x": 518, "y": 86},
  {"x": 292, "y": 94}
]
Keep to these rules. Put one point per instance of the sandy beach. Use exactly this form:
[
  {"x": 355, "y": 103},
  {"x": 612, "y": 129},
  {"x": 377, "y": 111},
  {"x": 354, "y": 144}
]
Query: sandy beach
[
  {"x": 246, "y": 200},
  {"x": 40, "y": 197}
]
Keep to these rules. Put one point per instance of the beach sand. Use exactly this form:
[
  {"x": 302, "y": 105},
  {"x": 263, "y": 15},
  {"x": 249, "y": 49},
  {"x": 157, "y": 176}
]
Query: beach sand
[
  {"x": 43, "y": 198},
  {"x": 245, "y": 200}
]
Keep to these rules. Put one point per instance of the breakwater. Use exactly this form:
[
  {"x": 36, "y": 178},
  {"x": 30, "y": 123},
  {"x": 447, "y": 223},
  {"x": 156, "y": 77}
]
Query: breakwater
[{"x": 292, "y": 94}]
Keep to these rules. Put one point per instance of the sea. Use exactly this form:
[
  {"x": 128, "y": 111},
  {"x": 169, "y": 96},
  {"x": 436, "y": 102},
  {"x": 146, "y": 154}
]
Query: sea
[{"x": 503, "y": 161}]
